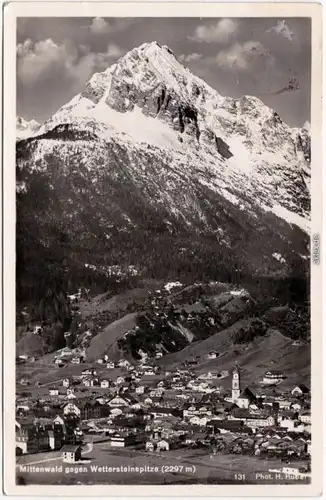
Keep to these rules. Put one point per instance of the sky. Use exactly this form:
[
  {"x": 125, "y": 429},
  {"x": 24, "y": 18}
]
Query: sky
[{"x": 249, "y": 56}]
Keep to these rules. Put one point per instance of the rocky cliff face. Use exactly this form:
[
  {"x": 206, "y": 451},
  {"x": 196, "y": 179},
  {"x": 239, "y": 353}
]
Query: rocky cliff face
[{"x": 149, "y": 160}]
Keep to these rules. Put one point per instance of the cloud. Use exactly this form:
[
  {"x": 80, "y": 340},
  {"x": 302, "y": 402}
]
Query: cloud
[
  {"x": 221, "y": 32},
  {"x": 44, "y": 59},
  {"x": 281, "y": 28},
  {"x": 190, "y": 57},
  {"x": 244, "y": 56},
  {"x": 100, "y": 26},
  {"x": 114, "y": 50}
]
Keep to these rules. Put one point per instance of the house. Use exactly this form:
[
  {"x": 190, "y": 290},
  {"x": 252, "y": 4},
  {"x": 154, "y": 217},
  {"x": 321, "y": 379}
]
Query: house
[
  {"x": 246, "y": 399},
  {"x": 71, "y": 453},
  {"x": 284, "y": 404},
  {"x": 158, "y": 354},
  {"x": 273, "y": 377},
  {"x": 76, "y": 360},
  {"x": 140, "y": 389},
  {"x": 90, "y": 410},
  {"x": 105, "y": 383},
  {"x": 26, "y": 438},
  {"x": 37, "y": 330},
  {"x": 123, "y": 400},
  {"x": 288, "y": 423},
  {"x": 91, "y": 381},
  {"x": 295, "y": 406},
  {"x": 196, "y": 437},
  {"x": 24, "y": 381},
  {"x": 56, "y": 438},
  {"x": 300, "y": 390},
  {"x": 59, "y": 362},
  {"x": 159, "y": 412},
  {"x": 120, "y": 380},
  {"x": 89, "y": 371},
  {"x": 123, "y": 363},
  {"x": 66, "y": 382},
  {"x": 305, "y": 417},
  {"x": 163, "y": 445},
  {"x": 228, "y": 426},
  {"x": 53, "y": 391},
  {"x": 211, "y": 355},
  {"x": 150, "y": 445},
  {"x": 110, "y": 365},
  {"x": 199, "y": 420},
  {"x": 149, "y": 372},
  {"x": 71, "y": 409},
  {"x": 253, "y": 420},
  {"x": 121, "y": 441}
]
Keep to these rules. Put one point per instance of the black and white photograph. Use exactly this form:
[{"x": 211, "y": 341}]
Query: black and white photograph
[{"x": 163, "y": 251}]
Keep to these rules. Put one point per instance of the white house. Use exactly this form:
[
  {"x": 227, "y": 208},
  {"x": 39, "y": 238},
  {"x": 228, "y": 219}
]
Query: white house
[
  {"x": 305, "y": 417},
  {"x": 71, "y": 453},
  {"x": 296, "y": 406},
  {"x": 272, "y": 377},
  {"x": 140, "y": 389},
  {"x": 54, "y": 391},
  {"x": 123, "y": 363},
  {"x": 149, "y": 371},
  {"x": 287, "y": 423},
  {"x": 119, "y": 401},
  {"x": 150, "y": 446},
  {"x": 120, "y": 380},
  {"x": 71, "y": 396},
  {"x": 110, "y": 365},
  {"x": 211, "y": 355},
  {"x": 199, "y": 420},
  {"x": 66, "y": 382},
  {"x": 105, "y": 383},
  {"x": 70, "y": 408},
  {"x": 89, "y": 371},
  {"x": 163, "y": 445},
  {"x": 299, "y": 390}
]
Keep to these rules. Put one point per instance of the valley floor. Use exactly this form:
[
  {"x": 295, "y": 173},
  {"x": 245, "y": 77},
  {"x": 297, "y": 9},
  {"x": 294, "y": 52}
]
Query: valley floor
[{"x": 172, "y": 467}]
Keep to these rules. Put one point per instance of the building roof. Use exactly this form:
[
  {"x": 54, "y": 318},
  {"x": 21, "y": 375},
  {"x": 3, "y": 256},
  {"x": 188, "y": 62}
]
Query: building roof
[
  {"x": 303, "y": 388},
  {"x": 248, "y": 394},
  {"x": 274, "y": 372},
  {"x": 69, "y": 448}
]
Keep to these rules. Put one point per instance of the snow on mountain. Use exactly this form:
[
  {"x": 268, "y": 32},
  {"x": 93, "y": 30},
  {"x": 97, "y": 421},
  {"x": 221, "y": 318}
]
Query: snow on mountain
[
  {"x": 153, "y": 156},
  {"x": 148, "y": 97},
  {"x": 26, "y": 128}
]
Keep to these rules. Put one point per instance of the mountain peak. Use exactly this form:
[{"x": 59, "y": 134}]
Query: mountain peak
[{"x": 25, "y": 128}]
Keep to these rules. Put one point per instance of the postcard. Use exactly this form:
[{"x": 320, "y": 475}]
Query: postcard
[{"x": 162, "y": 225}]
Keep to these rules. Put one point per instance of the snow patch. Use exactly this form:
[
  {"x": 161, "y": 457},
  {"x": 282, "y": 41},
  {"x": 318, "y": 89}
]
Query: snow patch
[
  {"x": 279, "y": 257},
  {"x": 292, "y": 218},
  {"x": 172, "y": 284}
]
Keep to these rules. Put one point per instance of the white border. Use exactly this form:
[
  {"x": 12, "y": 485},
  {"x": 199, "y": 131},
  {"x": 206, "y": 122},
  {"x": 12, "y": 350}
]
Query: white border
[{"x": 160, "y": 9}]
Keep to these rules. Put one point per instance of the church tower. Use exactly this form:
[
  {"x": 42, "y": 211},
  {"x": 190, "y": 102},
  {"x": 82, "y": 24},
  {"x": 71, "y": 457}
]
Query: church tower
[{"x": 235, "y": 382}]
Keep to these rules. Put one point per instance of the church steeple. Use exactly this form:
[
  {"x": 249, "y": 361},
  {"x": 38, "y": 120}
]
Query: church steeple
[{"x": 235, "y": 382}]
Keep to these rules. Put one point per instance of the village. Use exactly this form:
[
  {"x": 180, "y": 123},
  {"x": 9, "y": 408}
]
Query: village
[{"x": 113, "y": 408}]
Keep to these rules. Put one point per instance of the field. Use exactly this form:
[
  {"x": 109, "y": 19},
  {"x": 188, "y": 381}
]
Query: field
[{"x": 171, "y": 467}]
